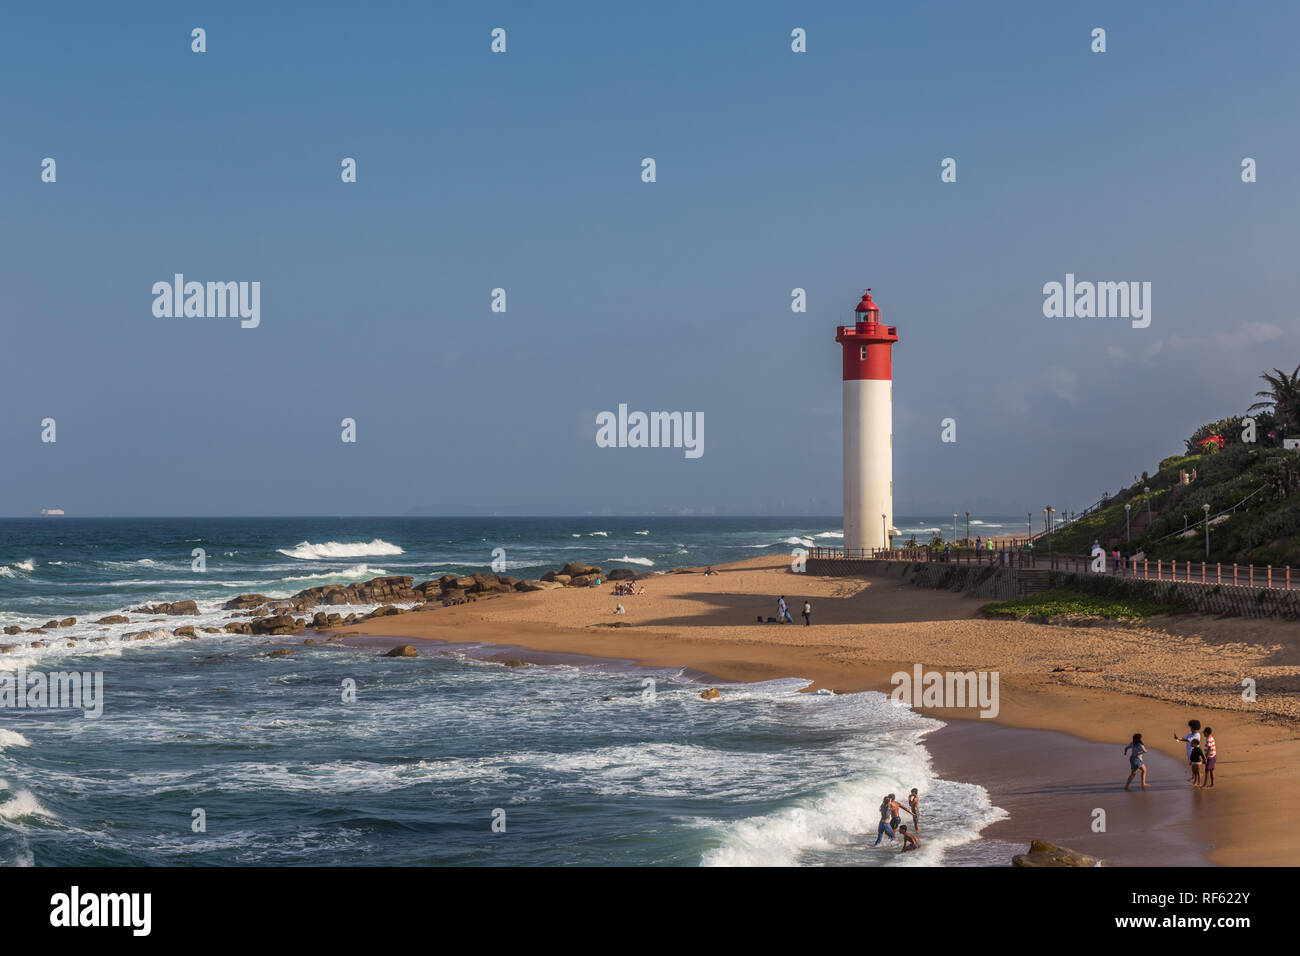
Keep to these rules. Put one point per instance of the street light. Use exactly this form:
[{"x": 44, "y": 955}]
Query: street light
[
  {"x": 1206, "y": 509},
  {"x": 1051, "y": 523},
  {"x": 1146, "y": 493},
  {"x": 884, "y": 532},
  {"x": 968, "y": 527},
  {"x": 1128, "y": 528},
  {"x": 954, "y": 529}
]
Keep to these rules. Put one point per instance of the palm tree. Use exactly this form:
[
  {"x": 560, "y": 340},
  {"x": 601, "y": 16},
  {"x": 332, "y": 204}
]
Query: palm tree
[{"x": 1282, "y": 397}]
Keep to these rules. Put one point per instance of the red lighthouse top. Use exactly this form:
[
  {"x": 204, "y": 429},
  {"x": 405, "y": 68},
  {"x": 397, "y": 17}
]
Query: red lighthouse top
[
  {"x": 866, "y": 305},
  {"x": 867, "y": 343}
]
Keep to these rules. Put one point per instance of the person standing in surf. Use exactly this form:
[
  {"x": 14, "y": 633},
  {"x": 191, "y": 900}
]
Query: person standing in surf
[
  {"x": 1135, "y": 762},
  {"x": 914, "y": 808},
  {"x": 886, "y": 811}
]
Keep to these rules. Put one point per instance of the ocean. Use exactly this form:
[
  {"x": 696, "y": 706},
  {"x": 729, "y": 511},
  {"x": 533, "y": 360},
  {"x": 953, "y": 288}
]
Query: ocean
[{"x": 209, "y": 752}]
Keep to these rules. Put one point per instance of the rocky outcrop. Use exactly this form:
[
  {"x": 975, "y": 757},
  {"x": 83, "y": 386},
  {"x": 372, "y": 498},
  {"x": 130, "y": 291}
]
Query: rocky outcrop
[
  {"x": 178, "y": 607},
  {"x": 238, "y": 627},
  {"x": 621, "y": 574},
  {"x": 711, "y": 694},
  {"x": 576, "y": 569},
  {"x": 277, "y": 625},
  {"x": 186, "y": 631},
  {"x": 282, "y": 652},
  {"x": 13, "y": 629},
  {"x": 246, "y": 602},
  {"x": 1042, "y": 853},
  {"x": 406, "y": 650},
  {"x": 114, "y": 619},
  {"x": 555, "y": 577}
]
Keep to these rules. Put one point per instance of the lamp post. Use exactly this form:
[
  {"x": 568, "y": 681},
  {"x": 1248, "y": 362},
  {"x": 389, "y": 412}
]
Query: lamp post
[
  {"x": 968, "y": 527},
  {"x": 1206, "y": 509},
  {"x": 1146, "y": 493},
  {"x": 884, "y": 533},
  {"x": 1029, "y": 519},
  {"x": 1128, "y": 527},
  {"x": 1048, "y": 528},
  {"x": 954, "y": 529}
]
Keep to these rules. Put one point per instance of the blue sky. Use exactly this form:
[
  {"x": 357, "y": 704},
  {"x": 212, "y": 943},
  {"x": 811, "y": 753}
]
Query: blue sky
[{"x": 522, "y": 170}]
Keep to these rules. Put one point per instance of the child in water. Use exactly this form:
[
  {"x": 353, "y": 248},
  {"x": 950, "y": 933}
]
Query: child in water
[
  {"x": 1135, "y": 762},
  {"x": 910, "y": 842}
]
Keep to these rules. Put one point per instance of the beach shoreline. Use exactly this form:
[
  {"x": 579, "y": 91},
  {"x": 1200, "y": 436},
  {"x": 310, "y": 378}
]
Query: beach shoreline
[{"x": 860, "y": 626}]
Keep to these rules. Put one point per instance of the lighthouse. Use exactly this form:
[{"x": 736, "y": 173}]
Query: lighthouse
[{"x": 868, "y": 429}]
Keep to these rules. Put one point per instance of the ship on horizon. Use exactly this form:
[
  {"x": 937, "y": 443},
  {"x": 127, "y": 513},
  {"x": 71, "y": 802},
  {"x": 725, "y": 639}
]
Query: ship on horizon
[{"x": 51, "y": 511}]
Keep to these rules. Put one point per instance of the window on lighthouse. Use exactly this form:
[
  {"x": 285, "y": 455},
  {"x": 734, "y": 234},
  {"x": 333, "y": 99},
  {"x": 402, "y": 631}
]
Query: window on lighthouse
[{"x": 864, "y": 353}]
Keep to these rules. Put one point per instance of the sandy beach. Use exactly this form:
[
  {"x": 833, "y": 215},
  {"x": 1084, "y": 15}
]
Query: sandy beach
[{"x": 1150, "y": 679}]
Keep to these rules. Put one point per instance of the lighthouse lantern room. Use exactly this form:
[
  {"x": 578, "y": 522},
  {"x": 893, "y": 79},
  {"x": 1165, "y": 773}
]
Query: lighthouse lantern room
[{"x": 868, "y": 429}]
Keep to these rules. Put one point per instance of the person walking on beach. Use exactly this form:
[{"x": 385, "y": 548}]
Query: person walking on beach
[
  {"x": 1135, "y": 762},
  {"x": 783, "y": 612},
  {"x": 807, "y": 613},
  {"x": 1211, "y": 752},
  {"x": 1191, "y": 739},
  {"x": 909, "y": 841},
  {"x": 885, "y": 827}
]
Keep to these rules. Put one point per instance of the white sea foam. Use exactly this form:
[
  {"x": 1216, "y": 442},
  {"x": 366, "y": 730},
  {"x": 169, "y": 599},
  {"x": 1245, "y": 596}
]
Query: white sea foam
[
  {"x": 12, "y": 738},
  {"x": 23, "y": 804},
  {"x": 355, "y": 571},
  {"x": 306, "y": 551},
  {"x": 598, "y": 534},
  {"x": 831, "y": 534},
  {"x": 640, "y": 532},
  {"x": 627, "y": 560}
]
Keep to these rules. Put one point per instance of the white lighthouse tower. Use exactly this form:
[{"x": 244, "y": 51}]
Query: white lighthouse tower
[{"x": 868, "y": 429}]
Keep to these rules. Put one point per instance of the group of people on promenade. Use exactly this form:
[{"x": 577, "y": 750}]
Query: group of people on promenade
[
  {"x": 891, "y": 814},
  {"x": 1202, "y": 753}
]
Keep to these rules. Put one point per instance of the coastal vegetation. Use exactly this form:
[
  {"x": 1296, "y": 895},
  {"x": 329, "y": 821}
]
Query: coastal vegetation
[
  {"x": 1238, "y": 466},
  {"x": 1066, "y": 602}
]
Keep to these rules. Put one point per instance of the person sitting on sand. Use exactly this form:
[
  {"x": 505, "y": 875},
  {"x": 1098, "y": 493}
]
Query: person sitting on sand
[
  {"x": 1211, "y": 752},
  {"x": 1197, "y": 759},
  {"x": 1135, "y": 762},
  {"x": 910, "y": 842},
  {"x": 885, "y": 827},
  {"x": 914, "y": 808},
  {"x": 620, "y": 609}
]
